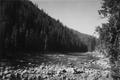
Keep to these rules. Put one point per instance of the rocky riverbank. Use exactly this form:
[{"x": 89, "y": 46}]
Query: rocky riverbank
[{"x": 60, "y": 67}]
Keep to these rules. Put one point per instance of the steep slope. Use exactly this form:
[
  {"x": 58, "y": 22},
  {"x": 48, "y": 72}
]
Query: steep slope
[{"x": 27, "y": 28}]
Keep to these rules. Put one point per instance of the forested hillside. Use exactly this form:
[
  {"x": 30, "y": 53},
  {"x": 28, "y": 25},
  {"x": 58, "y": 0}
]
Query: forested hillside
[
  {"x": 24, "y": 27},
  {"x": 90, "y": 41}
]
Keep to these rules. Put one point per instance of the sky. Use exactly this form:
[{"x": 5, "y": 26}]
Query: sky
[{"x": 80, "y": 15}]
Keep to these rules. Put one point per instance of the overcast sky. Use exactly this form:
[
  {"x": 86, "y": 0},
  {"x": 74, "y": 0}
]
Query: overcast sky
[{"x": 81, "y": 15}]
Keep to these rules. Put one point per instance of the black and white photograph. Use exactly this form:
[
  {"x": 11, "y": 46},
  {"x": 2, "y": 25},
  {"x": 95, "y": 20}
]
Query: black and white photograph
[{"x": 59, "y": 39}]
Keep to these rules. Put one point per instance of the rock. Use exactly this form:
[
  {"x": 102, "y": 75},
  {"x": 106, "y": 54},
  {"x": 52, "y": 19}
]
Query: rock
[
  {"x": 51, "y": 73},
  {"x": 25, "y": 75},
  {"x": 64, "y": 71},
  {"x": 78, "y": 71},
  {"x": 70, "y": 70}
]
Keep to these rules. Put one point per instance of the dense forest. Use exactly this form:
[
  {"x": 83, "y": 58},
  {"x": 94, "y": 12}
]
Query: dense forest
[
  {"x": 24, "y": 27},
  {"x": 110, "y": 34}
]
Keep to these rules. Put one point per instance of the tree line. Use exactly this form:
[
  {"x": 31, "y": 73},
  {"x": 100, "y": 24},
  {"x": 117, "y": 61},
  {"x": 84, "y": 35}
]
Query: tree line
[{"x": 24, "y": 27}]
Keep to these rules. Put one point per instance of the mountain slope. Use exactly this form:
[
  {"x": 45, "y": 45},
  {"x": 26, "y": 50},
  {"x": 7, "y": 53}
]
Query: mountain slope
[{"x": 27, "y": 28}]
